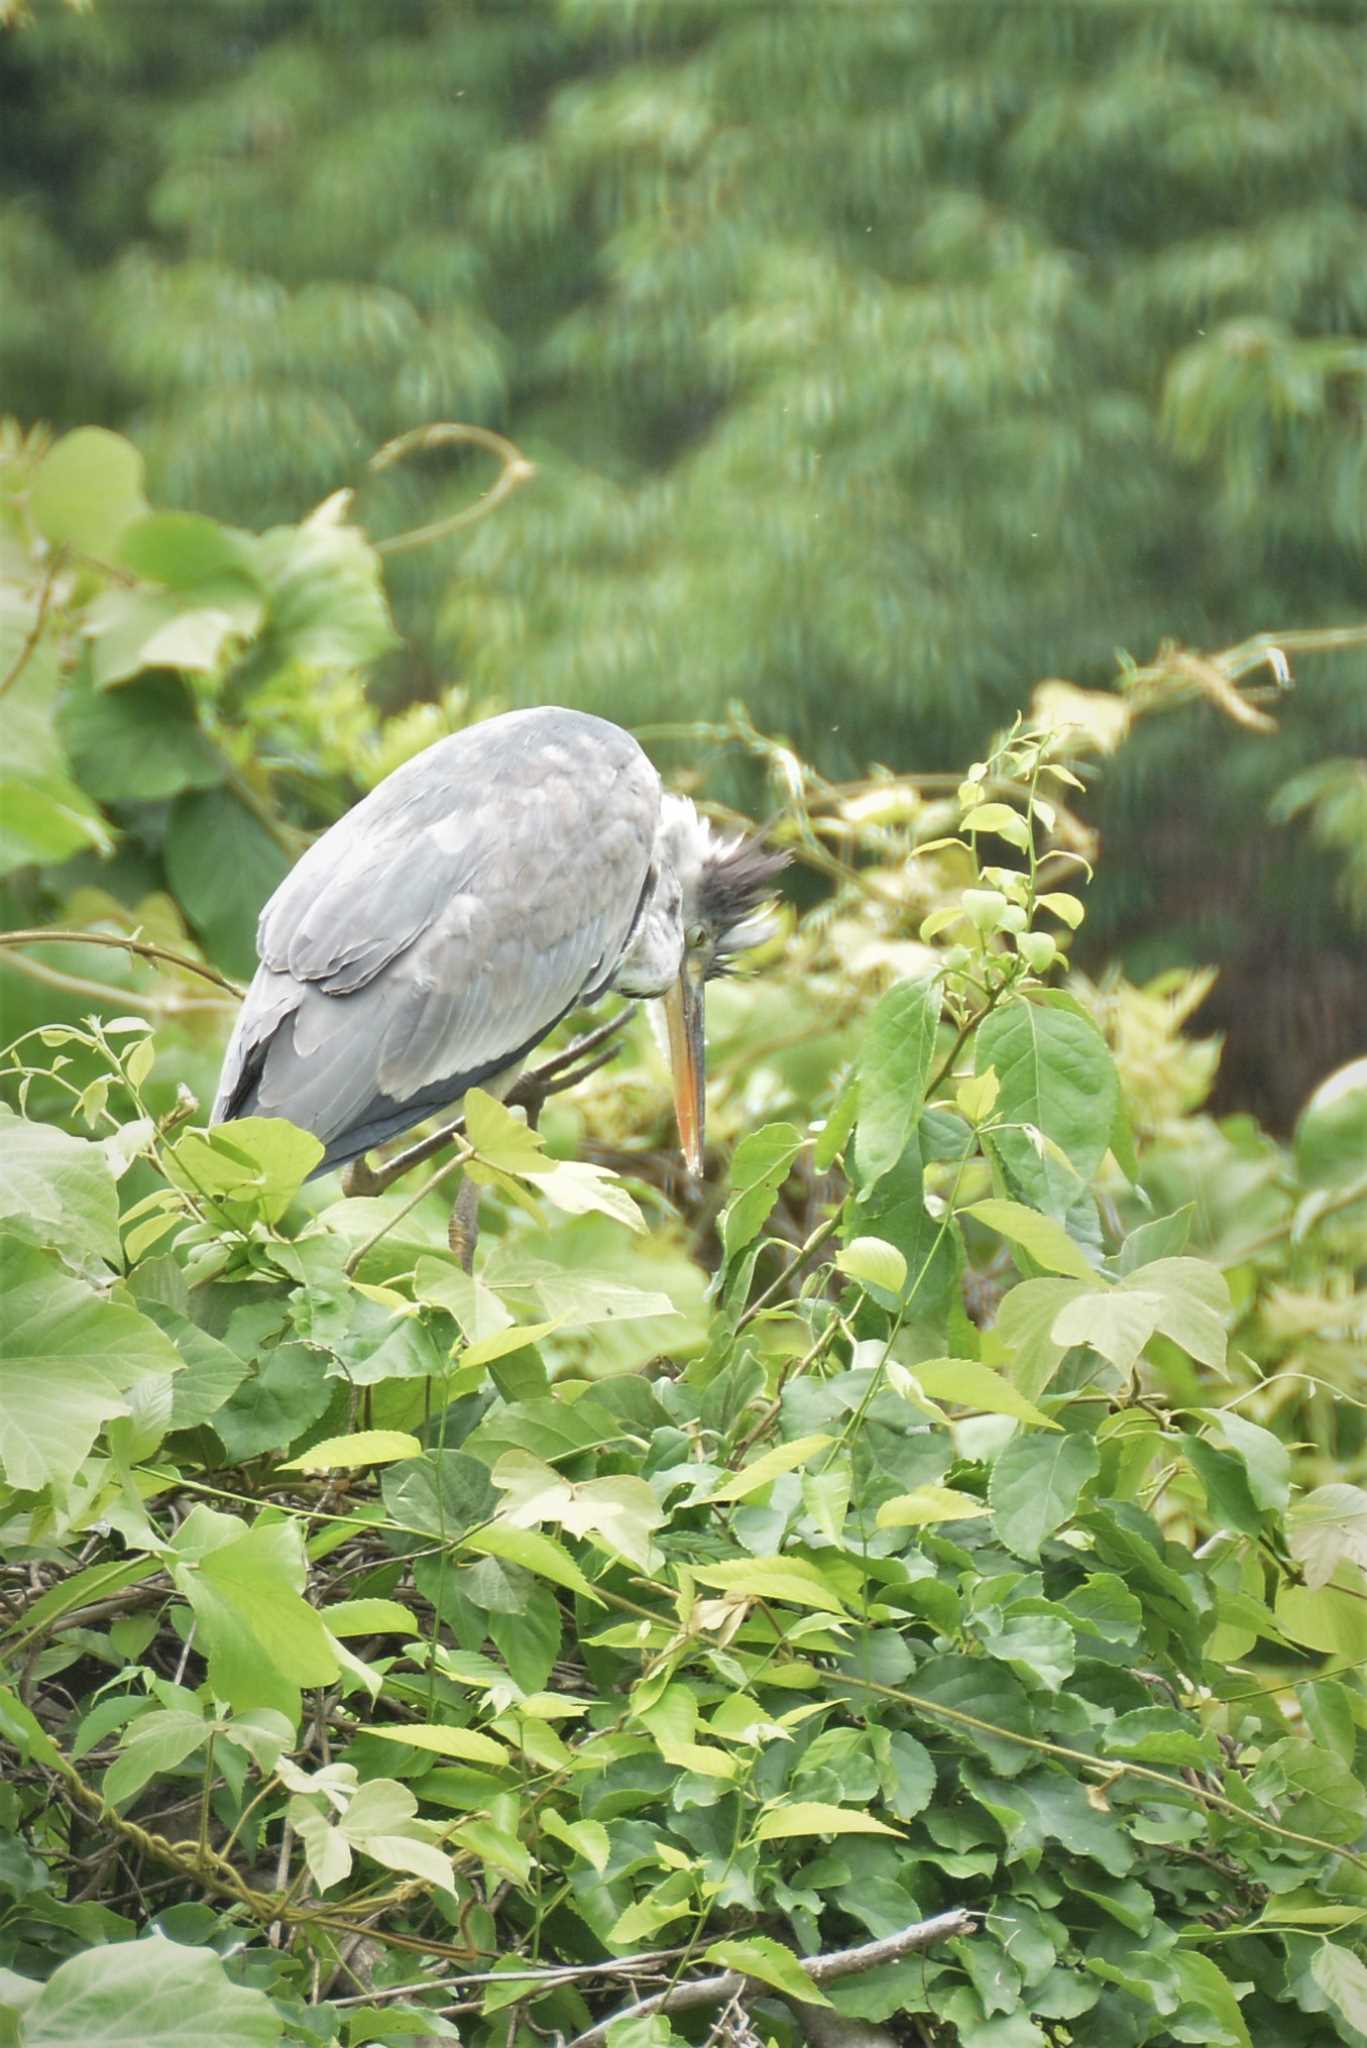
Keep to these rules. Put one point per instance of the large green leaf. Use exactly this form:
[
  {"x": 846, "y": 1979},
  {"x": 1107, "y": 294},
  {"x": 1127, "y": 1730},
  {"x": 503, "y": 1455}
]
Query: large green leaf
[
  {"x": 261, "y": 1637},
  {"x": 1058, "y": 1084},
  {"x": 894, "y": 1066},
  {"x": 1331, "y": 1136},
  {"x": 58, "y": 1189},
  {"x": 1034, "y": 1488},
  {"x": 258, "y": 1163},
  {"x": 327, "y": 602},
  {"x": 47, "y": 818},
  {"x": 1327, "y": 1528},
  {"x": 758, "y": 1171},
  {"x": 223, "y": 864},
  {"x": 133, "y": 631},
  {"x": 141, "y": 744},
  {"x": 68, "y": 1357},
  {"x": 152, "y": 1993},
  {"x": 87, "y": 490},
  {"x": 768, "y": 1962}
]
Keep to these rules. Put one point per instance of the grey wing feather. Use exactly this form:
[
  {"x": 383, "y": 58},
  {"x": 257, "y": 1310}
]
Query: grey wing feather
[{"x": 443, "y": 927}]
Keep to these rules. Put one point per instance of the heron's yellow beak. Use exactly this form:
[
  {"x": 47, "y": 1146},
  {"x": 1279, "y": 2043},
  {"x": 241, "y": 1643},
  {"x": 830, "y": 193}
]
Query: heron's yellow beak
[{"x": 683, "y": 1007}]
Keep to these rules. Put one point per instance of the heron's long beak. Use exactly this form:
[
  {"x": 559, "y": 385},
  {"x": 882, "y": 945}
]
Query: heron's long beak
[{"x": 683, "y": 1007}]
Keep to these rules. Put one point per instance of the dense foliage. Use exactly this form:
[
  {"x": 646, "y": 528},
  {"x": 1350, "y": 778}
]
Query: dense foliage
[
  {"x": 957, "y": 1518},
  {"x": 879, "y": 358}
]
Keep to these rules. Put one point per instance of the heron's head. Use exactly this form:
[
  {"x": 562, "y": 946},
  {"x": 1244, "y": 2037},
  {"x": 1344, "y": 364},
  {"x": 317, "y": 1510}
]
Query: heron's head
[{"x": 723, "y": 885}]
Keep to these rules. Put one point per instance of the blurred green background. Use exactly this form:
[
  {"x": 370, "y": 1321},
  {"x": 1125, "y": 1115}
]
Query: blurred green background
[{"x": 876, "y": 359}]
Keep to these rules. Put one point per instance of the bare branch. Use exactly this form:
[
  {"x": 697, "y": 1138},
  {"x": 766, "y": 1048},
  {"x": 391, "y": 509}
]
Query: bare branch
[{"x": 827, "y": 1969}]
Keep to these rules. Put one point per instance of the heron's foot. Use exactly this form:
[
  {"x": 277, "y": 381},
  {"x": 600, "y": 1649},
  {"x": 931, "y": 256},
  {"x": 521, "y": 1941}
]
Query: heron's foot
[
  {"x": 568, "y": 1068},
  {"x": 360, "y": 1178},
  {"x": 462, "y": 1232}
]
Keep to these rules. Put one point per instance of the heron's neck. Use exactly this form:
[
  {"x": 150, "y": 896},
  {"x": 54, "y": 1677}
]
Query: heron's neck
[{"x": 652, "y": 960}]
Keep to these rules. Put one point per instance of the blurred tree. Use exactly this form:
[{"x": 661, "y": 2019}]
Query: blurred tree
[{"x": 875, "y": 360}]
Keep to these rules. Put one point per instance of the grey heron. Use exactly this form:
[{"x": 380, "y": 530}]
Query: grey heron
[{"x": 442, "y": 928}]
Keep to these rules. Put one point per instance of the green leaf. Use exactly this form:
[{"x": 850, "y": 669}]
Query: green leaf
[
  {"x": 758, "y": 1171},
  {"x": 874, "y": 1263},
  {"x": 1058, "y": 1080},
  {"x": 768, "y": 1465},
  {"x": 326, "y": 590},
  {"x": 258, "y": 1632},
  {"x": 617, "y": 1513},
  {"x": 1042, "y": 1646},
  {"x": 258, "y": 1162},
  {"x": 1202, "y": 1983},
  {"x": 1114, "y": 1321},
  {"x": 68, "y": 1357},
  {"x": 210, "y": 1373},
  {"x": 284, "y": 1394},
  {"x": 1025, "y": 1325},
  {"x": 345, "y": 1453},
  {"x": 86, "y": 490},
  {"x": 1034, "y": 1487},
  {"x": 987, "y": 1696},
  {"x": 132, "y": 631},
  {"x": 1332, "y": 1618},
  {"x": 466, "y": 1743},
  {"x": 1228, "y": 1499},
  {"x": 153, "y": 1993},
  {"x": 186, "y": 551},
  {"x": 1104, "y": 1605},
  {"x": 142, "y": 744},
  {"x": 441, "y": 1494},
  {"x": 500, "y": 1137},
  {"x": 156, "y": 1742},
  {"x": 894, "y": 1066},
  {"x": 816, "y": 1817},
  {"x": 587, "y": 1838},
  {"x": 768, "y": 1962},
  {"x": 1331, "y": 1135},
  {"x": 58, "y": 1188},
  {"x": 929, "y": 1504},
  {"x": 790, "y": 1579},
  {"x": 1266, "y": 1460},
  {"x": 1342, "y": 1977},
  {"x": 973, "y": 1385},
  {"x": 1193, "y": 1304},
  {"x": 1326, "y": 1528},
  {"x": 534, "y": 1552},
  {"x": 500, "y": 1851},
  {"x": 1000, "y": 819},
  {"x": 1047, "y": 1242},
  {"x": 1159, "y": 1735},
  {"x": 47, "y": 818},
  {"x": 23, "y": 1731},
  {"x": 578, "y": 1188},
  {"x": 222, "y": 864},
  {"x": 369, "y": 1617}
]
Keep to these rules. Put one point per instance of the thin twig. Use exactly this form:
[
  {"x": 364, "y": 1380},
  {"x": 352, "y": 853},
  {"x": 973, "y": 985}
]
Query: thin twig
[
  {"x": 820, "y": 1236},
  {"x": 516, "y": 470},
  {"x": 108, "y": 992},
  {"x": 144, "y": 949},
  {"x": 466, "y": 1152},
  {"x": 35, "y": 631}
]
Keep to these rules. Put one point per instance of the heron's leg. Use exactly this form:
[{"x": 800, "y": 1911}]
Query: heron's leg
[{"x": 462, "y": 1232}]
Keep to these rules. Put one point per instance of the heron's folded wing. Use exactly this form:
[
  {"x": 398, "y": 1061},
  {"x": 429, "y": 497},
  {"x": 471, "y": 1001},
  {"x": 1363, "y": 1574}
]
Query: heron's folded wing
[{"x": 443, "y": 927}]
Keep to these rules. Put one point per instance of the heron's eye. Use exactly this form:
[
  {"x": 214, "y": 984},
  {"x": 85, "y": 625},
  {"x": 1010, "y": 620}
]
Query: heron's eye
[{"x": 697, "y": 937}]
